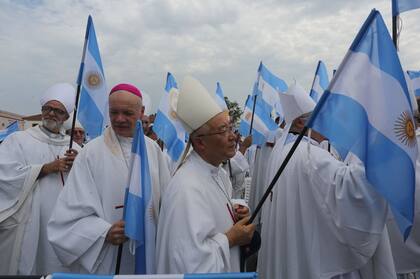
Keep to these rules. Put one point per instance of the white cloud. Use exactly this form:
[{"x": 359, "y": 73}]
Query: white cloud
[{"x": 41, "y": 42}]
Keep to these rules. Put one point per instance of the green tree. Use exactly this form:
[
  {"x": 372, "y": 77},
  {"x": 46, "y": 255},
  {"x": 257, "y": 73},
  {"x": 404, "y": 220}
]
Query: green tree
[{"x": 235, "y": 111}]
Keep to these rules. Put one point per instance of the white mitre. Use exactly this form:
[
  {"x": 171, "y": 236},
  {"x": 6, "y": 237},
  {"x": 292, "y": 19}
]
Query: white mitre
[
  {"x": 67, "y": 124},
  {"x": 61, "y": 92},
  {"x": 295, "y": 102},
  {"x": 194, "y": 105}
]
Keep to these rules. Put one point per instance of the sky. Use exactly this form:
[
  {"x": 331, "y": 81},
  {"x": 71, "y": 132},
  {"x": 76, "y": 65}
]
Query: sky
[{"x": 41, "y": 42}]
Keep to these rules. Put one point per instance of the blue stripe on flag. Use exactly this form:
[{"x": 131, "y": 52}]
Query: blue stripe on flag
[
  {"x": 10, "y": 129},
  {"x": 257, "y": 137},
  {"x": 168, "y": 133},
  {"x": 89, "y": 115},
  {"x": 272, "y": 79},
  {"x": 399, "y": 6},
  {"x": 373, "y": 40},
  {"x": 93, "y": 46},
  {"x": 415, "y": 81}
]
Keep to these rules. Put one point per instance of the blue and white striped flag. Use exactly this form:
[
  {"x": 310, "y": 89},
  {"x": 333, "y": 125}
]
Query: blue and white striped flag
[
  {"x": 93, "y": 105},
  {"x": 399, "y": 6},
  {"x": 414, "y": 77},
  {"x": 220, "y": 97},
  {"x": 243, "y": 275},
  {"x": 262, "y": 125},
  {"x": 269, "y": 86},
  {"x": 167, "y": 126},
  {"x": 372, "y": 118},
  {"x": 320, "y": 83},
  {"x": 139, "y": 217},
  {"x": 11, "y": 128}
]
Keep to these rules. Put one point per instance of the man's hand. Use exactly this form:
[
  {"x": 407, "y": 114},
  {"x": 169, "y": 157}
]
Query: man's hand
[
  {"x": 240, "y": 233},
  {"x": 115, "y": 234},
  {"x": 240, "y": 211},
  {"x": 245, "y": 144},
  {"x": 59, "y": 164},
  {"x": 69, "y": 158}
]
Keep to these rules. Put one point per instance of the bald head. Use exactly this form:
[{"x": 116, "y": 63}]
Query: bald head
[{"x": 125, "y": 109}]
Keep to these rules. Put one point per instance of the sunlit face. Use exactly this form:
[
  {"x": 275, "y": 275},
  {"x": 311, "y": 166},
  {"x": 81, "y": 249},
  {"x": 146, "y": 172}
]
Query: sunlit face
[
  {"x": 79, "y": 135},
  {"x": 217, "y": 140},
  {"x": 125, "y": 109},
  {"x": 53, "y": 115}
]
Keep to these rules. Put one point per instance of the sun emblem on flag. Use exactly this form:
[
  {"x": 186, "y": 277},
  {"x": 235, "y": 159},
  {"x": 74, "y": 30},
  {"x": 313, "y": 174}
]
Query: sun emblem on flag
[
  {"x": 405, "y": 130},
  {"x": 93, "y": 80},
  {"x": 173, "y": 101}
]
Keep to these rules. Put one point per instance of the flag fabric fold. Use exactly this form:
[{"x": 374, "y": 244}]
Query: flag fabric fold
[
  {"x": 414, "y": 77},
  {"x": 220, "y": 97},
  {"x": 262, "y": 124},
  {"x": 373, "y": 118},
  {"x": 320, "y": 83},
  {"x": 167, "y": 126},
  {"x": 139, "y": 217},
  {"x": 269, "y": 86},
  {"x": 11, "y": 128},
  {"x": 399, "y": 6},
  {"x": 93, "y": 104}
]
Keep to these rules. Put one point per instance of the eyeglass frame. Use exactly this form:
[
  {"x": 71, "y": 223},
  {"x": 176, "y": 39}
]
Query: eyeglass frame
[
  {"x": 57, "y": 111},
  {"x": 228, "y": 128}
]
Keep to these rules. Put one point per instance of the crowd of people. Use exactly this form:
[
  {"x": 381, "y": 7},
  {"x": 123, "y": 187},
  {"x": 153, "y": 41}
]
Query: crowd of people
[{"x": 61, "y": 209}]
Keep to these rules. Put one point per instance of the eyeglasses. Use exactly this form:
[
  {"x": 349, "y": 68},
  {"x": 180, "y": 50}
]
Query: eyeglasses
[
  {"x": 57, "y": 111},
  {"x": 222, "y": 131}
]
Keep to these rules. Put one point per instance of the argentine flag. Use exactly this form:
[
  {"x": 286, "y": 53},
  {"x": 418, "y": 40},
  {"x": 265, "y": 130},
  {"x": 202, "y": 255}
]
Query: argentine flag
[
  {"x": 320, "y": 82},
  {"x": 269, "y": 86},
  {"x": 414, "y": 77},
  {"x": 220, "y": 98},
  {"x": 139, "y": 217},
  {"x": 399, "y": 6},
  {"x": 243, "y": 275},
  {"x": 366, "y": 110},
  {"x": 167, "y": 127},
  {"x": 93, "y": 105},
  {"x": 11, "y": 128},
  {"x": 262, "y": 125}
]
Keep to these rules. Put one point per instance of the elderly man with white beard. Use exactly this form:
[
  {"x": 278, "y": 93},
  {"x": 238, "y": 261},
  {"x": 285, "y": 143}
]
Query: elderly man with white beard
[{"x": 33, "y": 168}]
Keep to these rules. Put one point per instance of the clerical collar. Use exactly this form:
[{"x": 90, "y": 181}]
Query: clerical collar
[
  {"x": 51, "y": 134},
  {"x": 213, "y": 169},
  {"x": 125, "y": 140}
]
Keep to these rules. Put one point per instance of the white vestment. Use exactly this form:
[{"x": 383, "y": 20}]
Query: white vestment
[
  {"x": 324, "y": 221},
  {"x": 260, "y": 167},
  {"x": 193, "y": 219},
  {"x": 407, "y": 254},
  {"x": 26, "y": 202},
  {"x": 237, "y": 167},
  {"x": 91, "y": 202}
]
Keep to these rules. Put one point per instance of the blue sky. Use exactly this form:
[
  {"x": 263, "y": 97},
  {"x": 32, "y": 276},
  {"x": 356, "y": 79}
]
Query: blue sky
[{"x": 216, "y": 40}]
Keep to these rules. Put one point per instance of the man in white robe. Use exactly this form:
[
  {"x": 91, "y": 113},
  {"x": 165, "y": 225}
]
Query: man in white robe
[
  {"x": 406, "y": 253},
  {"x": 325, "y": 219},
  {"x": 237, "y": 168},
  {"x": 87, "y": 227},
  {"x": 33, "y": 167},
  {"x": 260, "y": 167},
  {"x": 196, "y": 230}
]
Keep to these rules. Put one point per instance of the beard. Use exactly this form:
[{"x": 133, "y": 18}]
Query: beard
[{"x": 52, "y": 125}]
